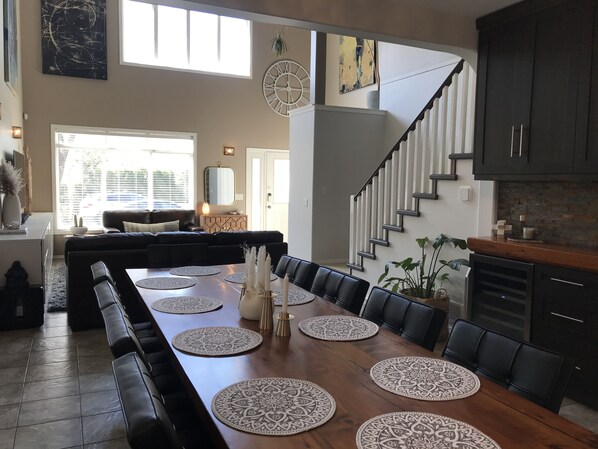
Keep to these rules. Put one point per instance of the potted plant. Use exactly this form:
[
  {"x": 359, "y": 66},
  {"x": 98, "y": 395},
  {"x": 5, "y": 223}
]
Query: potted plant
[
  {"x": 420, "y": 277},
  {"x": 11, "y": 183}
]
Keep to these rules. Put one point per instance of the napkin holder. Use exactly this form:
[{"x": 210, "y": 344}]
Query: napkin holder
[{"x": 267, "y": 312}]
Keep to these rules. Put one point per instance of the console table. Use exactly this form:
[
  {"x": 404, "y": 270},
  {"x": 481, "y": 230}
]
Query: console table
[
  {"x": 224, "y": 222},
  {"x": 34, "y": 251}
]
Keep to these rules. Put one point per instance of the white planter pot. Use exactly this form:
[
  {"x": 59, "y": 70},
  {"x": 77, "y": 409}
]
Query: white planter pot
[{"x": 11, "y": 212}]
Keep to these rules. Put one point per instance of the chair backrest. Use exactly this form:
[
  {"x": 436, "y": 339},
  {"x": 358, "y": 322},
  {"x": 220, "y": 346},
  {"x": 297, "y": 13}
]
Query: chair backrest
[
  {"x": 534, "y": 373},
  {"x": 106, "y": 294},
  {"x": 417, "y": 322},
  {"x": 176, "y": 255},
  {"x": 147, "y": 421},
  {"x": 301, "y": 272},
  {"x": 100, "y": 273},
  {"x": 120, "y": 333},
  {"x": 342, "y": 289}
]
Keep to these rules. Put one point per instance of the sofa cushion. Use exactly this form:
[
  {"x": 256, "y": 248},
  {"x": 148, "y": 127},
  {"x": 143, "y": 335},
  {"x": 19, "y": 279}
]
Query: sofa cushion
[
  {"x": 186, "y": 217},
  {"x": 151, "y": 227},
  {"x": 115, "y": 218},
  {"x": 247, "y": 237},
  {"x": 184, "y": 237}
]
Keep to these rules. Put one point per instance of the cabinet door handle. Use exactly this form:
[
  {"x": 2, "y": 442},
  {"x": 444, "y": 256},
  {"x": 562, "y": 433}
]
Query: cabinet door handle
[
  {"x": 520, "y": 140},
  {"x": 577, "y": 368},
  {"x": 570, "y": 318},
  {"x": 512, "y": 138},
  {"x": 563, "y": 281}
]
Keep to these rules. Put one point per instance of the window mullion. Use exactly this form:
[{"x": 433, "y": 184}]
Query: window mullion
[
  {"x": 188, "y": 37},
  {"x": 156, "y": 32},
  {"x": 218, "y": 39}
]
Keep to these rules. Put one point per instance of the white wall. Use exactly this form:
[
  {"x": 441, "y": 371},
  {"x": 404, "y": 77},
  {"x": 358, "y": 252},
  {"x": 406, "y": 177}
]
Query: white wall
[{"x": 346, "y": 147}]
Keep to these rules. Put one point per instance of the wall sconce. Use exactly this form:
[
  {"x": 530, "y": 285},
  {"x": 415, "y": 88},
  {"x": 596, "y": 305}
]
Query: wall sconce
[
  {"x": 205, "y": 209},
  {"x": 229, "y": 151},
  {"x": 17, "y": 132}
]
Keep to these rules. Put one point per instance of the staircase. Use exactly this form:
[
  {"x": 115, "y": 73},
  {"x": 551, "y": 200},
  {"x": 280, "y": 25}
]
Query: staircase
[{"x": 427, "y": 153}]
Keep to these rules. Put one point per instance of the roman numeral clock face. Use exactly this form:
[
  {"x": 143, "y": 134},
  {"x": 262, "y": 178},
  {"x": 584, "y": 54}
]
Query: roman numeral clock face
[{"x": 286, "y": 86}]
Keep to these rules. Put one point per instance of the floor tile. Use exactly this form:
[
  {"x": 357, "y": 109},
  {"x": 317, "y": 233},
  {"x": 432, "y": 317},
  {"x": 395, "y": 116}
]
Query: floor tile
[
  {"x": 14, "y": 360},
  {"x": 92, "y": 364},
  {"x": 52, "y": 388},
  {"x": 8, "y": 416},
  {"x": 21, "y": 344},
  {"x": 57, "y": 409},
  {"x": 7, "y": 438},
  {"x": 90, "y": 383},
  {"x": 55, "y": 320},
  {"x": 12, "y": 375},
  {"x": 100, "y": 402},
  {"x": 51, "y": 371},
  {"x": 95, "y": 350},
  {"x": 44, "y": 344},
  {"x": 121, "y": 443},
  {"x": 107, "y": 426},
  {"x": 580, "y": 414},
  {"x": 52, "y": 356},
  {"x": 47, "y": 332},
  {"x": 53, "y": 435},
  {"x": 90, "y": 336},
  {"x": 11, "y": 394}
]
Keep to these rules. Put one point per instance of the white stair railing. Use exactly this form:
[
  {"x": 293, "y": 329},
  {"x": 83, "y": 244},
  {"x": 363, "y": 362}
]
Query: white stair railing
[{"x": 443, "y": 128}]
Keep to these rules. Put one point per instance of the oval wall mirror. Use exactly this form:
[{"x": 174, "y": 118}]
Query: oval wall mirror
[{"x": 219, "y": 185}]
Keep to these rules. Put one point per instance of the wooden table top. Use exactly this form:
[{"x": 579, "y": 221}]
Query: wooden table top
[{"x": 342, "y": 369}]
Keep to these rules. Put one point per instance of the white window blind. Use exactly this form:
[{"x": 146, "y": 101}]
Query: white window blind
[
  {"x": 97, "y": 170},
  {"x": 164, "y": 36}
]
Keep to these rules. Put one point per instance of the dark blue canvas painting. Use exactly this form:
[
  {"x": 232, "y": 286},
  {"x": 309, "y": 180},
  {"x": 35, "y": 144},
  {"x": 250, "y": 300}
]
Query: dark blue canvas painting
[{"x": 74, "y": 38}]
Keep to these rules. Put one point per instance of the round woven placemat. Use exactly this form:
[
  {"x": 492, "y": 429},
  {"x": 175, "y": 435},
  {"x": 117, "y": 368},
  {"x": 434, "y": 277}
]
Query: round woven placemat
[
  {"x": 425, "y": 378},
  {"x": 239, "y": 278},
  {"x": 273, "y": 406},
  {"x": 194, "y": 270},
  {"x": 296, "y": 297},
  {"x": 407, "y": 430},
  {"x": 216, "y": 341},
  {"x": 187, "y": 304},
  {"x": 338, "y": 328},
  {"x": 165, "y": 283}
]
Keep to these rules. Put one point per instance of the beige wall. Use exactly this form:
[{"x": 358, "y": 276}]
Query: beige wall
[{"x": 221, "y": 110}]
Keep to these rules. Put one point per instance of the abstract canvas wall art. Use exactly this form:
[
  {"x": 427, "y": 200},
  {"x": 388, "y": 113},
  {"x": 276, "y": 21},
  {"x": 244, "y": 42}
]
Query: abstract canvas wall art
[
  {"x": 356, "y": 63},
  {"x": 74, "y": 38},
  {"x": 11, "y": 47}
]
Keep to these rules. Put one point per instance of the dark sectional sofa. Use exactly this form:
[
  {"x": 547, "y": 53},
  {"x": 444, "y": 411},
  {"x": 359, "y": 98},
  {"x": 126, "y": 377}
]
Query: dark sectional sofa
[{"x": 129, "y": 250}]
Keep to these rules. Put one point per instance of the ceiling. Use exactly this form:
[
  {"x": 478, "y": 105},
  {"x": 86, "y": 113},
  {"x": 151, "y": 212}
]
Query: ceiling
[{"x": 468, "y": 8}]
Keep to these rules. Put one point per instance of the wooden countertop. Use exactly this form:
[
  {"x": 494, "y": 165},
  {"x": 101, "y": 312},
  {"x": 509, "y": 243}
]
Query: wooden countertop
[{"x": 585, "y": 259}]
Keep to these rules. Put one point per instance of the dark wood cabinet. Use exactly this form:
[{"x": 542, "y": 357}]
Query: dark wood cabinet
[
  {"x": 534, "y": 74},
  {"x": 587, "y": 161},
  {"x": 565, "y": 319}
]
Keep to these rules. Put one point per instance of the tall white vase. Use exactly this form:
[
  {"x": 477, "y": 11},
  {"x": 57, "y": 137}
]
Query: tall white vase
[{"x": 11, "y": 212}]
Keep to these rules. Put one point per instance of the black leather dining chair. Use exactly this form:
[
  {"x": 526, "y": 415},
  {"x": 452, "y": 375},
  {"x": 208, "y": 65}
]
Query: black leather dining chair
[
  {"x": 176, "y": 255},
  {"x": 412, "y": 320},
  {"x": 100, "y": 273},
  {"x": 301, "y": 272},
  {"x": 148, "y": 421},
  {"x": 535, "y": 373},
  {"x": 343, "y": 289}
]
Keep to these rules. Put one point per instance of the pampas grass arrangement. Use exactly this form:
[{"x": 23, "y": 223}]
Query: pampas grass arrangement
[{"x": 11, "y": 179}]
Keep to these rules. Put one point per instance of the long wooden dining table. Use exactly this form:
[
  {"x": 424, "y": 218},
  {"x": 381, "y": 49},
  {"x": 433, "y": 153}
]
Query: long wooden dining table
[{"x": 342, "y": 369}]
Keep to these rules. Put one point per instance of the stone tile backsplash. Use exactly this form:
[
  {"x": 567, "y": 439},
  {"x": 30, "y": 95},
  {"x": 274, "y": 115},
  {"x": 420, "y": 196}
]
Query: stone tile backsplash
[{"x": 562, "y": 212}]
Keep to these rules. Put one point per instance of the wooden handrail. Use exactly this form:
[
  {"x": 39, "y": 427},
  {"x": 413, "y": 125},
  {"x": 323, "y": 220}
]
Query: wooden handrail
[{"x": 447, "y": 82}]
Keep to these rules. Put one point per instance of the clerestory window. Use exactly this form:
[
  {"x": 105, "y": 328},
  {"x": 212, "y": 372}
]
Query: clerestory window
[{"x": 182, "y": 39}]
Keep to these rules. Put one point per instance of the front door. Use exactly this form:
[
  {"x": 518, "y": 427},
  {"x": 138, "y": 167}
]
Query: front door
[{"x": 268, "y": 190}]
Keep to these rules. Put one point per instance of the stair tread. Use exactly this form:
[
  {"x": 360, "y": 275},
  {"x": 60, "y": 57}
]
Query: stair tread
[
  {"x": 427, "y": 196},
  {"x": 409, "y": 212},
  {"x": 448, "y": 177},
  {"x": 394, "y": 228},
  {"x": 356, "y": 267},
  {"x": 380, "y": 242},
  {"x": 367, "y": 255},
  {"x": 461, "y": 156}
]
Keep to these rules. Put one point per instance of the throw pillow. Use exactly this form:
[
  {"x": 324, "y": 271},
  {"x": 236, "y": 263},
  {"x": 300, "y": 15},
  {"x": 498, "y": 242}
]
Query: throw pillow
[{"x": 152, "y": 227}]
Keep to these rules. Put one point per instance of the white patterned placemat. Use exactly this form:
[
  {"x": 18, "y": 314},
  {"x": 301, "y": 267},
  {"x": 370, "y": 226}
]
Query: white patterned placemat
[
  {"x": 407, "y": 430},
  {"x": 425, "y": 378},
  {"x": 187, "y": 304},
  {"x": 338, "y": 328},
  {"x": 165, "y": 283},
  {"x": 239, "y": 278},
  {"x": 216, "y": 341},
  {"x": 273, "y": 406},
  {"x": 194, "y": 270},
  {"x": 296, "y": 297}
]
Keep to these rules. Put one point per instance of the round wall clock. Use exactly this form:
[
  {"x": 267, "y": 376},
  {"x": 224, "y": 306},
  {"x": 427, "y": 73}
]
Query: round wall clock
[{"x": 286, "y": 86}]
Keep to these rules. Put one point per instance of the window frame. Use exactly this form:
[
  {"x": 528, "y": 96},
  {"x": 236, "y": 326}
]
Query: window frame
[
  {"x": 188, "y": 8},
  {"x": 54, "y": 129}
]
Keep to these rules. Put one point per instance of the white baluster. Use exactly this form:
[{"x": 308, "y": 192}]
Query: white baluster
[
  {"x": 442, "y": 140},
  {"x": 434, "y": 125},
  {"x": 352, "y": 227},
  {"x": 452, "y": 116},
  {"x": 386, "y": 205},
  {"x": 426, "y": 153},
  {"x": 374, "y": 206},
  {"x": 380, "y": 206},
  {"x": 409, "y": 178},
  {"x": 394, "y": 183},
  {"x": 468, "y": 146},
  {"x": 402, "y": 179},
  {"x": 368, "y": 218}
]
